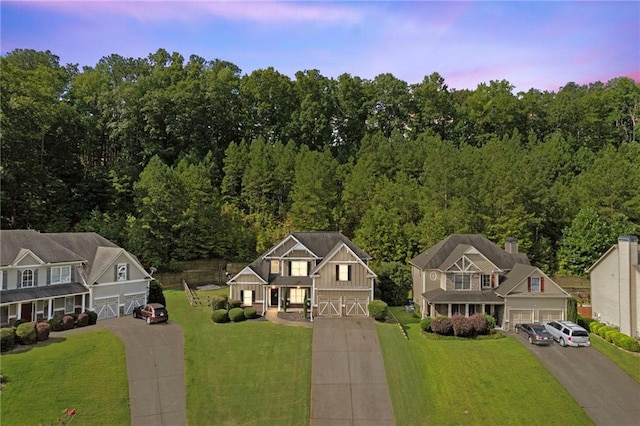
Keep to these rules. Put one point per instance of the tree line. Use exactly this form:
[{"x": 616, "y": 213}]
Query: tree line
[{"x": 180, "y": 160}]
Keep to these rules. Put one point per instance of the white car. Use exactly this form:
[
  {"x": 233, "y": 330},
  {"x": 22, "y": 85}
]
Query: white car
[{"x": 567, "y": 333}]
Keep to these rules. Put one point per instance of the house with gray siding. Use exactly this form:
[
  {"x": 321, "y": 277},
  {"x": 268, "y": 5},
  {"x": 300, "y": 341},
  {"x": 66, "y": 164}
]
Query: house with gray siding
[{"x": 323, "y": 270}]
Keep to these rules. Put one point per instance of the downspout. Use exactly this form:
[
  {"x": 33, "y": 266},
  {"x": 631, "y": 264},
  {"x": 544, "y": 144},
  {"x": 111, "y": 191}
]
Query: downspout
[{"x": 313, "y": 292}]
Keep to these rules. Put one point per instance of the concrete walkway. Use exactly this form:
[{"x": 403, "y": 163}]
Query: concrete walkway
[
  {"x": 348, "y": 381},
  {"x": 272, "y": 315}
]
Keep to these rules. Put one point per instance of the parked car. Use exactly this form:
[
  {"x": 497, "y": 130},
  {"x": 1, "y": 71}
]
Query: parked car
[
  {"x": 152, "y": 312},
  {"x": 536, "y": 333},
  {"x": 568, "y": 333}
]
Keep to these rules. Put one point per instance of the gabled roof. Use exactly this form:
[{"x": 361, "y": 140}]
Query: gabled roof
[
  {"x": 438, "y": 255},
  {"x": 517, "y": 275},
  {"x": 320, "y": 244},
  {"x": 15, "y": 243},
  {"x": 333, "y": 252}
]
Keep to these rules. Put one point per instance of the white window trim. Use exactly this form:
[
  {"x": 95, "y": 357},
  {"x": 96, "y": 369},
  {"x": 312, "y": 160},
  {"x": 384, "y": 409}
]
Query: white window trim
[
  {"x": 296, "y": 295},
  {"x": 490, "y": 277},
  {"x": 33, "y": 278},
  {"x": 343, "y": 272},
  {"x": 247, "y": 295},
  {"x": 60, "y": 279},
  {"x": 463, "y": 278},
  {"x": 533, "y": 289},
  {"x": 299, "y": 267},
  {"x": 275, "y": 270},
  {"x": 125, "y": 267}
]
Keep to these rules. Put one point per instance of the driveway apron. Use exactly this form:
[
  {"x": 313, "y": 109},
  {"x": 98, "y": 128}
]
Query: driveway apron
[
  {"x": 348, "y": 381},
  {"x": 155, "y": 367}
]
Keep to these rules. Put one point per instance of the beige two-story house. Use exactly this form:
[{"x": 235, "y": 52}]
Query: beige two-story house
[
  {"x": 615, "y": 286},
  {"x": 467, "y": 274},
  {"x": 323, "y": 270}
]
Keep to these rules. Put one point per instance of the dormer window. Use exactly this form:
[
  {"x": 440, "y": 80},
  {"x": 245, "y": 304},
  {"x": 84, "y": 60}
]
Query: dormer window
[
  {"x": 27, "y": 278},
  {"x": 122, "y": 272},
  {"x": 275, "y": 266},
  {"x": 60, "y": 274}
]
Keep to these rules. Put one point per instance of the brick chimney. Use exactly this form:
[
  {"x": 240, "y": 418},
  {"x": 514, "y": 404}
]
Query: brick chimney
[{"x": 511, "y": 245}]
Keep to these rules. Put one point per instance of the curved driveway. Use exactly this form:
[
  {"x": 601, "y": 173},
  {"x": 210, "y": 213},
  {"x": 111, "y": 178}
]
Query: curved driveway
[
  {"x": 155, "y": 367},
  {"x": 607, "y": 394}
]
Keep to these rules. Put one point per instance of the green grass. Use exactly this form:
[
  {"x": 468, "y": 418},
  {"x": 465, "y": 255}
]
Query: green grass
[
  {"x": 628, "y": 362},
  {"x": 475, "y": 382},
  {"x": 86, "y": 371},
  {"x": 248, "y": 373}
]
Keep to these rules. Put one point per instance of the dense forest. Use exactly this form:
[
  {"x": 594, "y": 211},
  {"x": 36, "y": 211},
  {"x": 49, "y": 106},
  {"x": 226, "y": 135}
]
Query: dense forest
[{"x": 184, "y": 159}]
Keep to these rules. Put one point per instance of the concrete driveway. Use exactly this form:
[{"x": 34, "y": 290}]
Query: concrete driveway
[
  {"x": 607, "y": 394},
  {"x": 155, "y": 368},
  {"x": 348, "y": 380}
]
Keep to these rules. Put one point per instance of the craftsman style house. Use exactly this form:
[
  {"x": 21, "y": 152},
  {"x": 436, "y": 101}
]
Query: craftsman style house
[
  {"x": 467, "y": 274},
  {"x": 615, "y": 286},
  {"x": 43, "y": 274},
  {"x": 323, "y": 270}
]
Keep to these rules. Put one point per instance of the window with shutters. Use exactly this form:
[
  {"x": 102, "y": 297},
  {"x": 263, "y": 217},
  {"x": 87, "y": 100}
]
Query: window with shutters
[
  {"x": 27, "y": 278},
  {"x": 343, "y": 272},
  {"x": 535, "y": 285},
  {"x": 60, "y": 274},
  {"x": 247, "y": 297},
  {"x": 122, "y": 272},
  {"x": 298, "y": 268}
]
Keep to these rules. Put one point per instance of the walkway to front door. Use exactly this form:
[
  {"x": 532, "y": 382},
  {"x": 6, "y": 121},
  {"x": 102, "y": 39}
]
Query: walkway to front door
[{"x": 348, "y": 381}]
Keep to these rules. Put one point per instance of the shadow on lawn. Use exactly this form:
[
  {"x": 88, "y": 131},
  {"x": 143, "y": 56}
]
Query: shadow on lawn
[{"x": 19, "y": 349}]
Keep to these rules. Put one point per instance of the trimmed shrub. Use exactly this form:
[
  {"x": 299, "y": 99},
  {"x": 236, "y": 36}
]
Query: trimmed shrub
[
  {"x": 609, "y": 335},
  {"x": 425, "y": 324},
  {"x": 442, "y": 325},
  {"x": 602, "y": 331},
  {"x": 26, "y": 333},
  {"x": 234, "y": 303},
  {"x": 83, "y": 320},
  {"x": 491, "y": 322},
  {"x": 236, "y": 314},
  {"x": 219, "y": 302},
  {"x": 462, "y": 327},
  {"x": 250, "y": 313},
  {"x": 220, "y": 316},
  {"x": 626, "y": 342},
  {"x": 67, "y": 322},
  {"x": 585, "y": 322},
  {"x": 7, "y": 339},
  {"x": 93, "y": 317},
  {"x": 19, "y": 321},
  {"x": 56, "y": 323},
  {"x": 479, "y": 323},
  {"x": 42, "y": 331},
  {"x": 378, "y": 310},
  {"x": 595, "y": 326}
]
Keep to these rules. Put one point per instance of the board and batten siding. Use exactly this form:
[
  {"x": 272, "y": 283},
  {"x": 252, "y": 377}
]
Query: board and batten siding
[
  {"x": 334, "y": 294},
  {"x": 257, "y": 288},
  {"x": 329, "y": 280}
]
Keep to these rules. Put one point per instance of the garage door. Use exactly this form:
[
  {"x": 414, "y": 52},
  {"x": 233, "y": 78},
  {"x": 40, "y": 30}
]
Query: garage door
[
  {"x": 519, "y": 316},
  {"x": 356, "y": 306},
  {"x": 133, "y": 300},
  {"x": 329, "y": 306},
  {"x": 107, "y": 307},
  {"x": 551, "y": 315}
]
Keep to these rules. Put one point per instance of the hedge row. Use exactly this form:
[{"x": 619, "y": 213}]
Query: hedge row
[
  {"x": 613, "y": 335},
  {"x": 235, "y": 314},
  {"x": 459, "y": 325}
]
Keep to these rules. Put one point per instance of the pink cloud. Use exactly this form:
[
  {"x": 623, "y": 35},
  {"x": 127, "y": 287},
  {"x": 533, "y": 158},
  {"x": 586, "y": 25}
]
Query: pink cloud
[{"x": 191, "y": 11}]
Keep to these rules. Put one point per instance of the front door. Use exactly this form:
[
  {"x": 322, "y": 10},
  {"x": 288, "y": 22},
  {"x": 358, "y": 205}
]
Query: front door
[
  {"x": 274, "y": 296},
  {"x": 27, "y": 312}
]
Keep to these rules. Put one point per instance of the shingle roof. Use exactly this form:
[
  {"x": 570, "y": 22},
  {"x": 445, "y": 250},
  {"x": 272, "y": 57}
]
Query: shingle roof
[
  {"x": 42, "y": 292},
  {"x": 515, "y": 277},
  {"x": 97, "y": 249},
  {"x": 436, "y": 256},
  {"x": 13, "y": 241},
  {"x": 320, "y": 243}
]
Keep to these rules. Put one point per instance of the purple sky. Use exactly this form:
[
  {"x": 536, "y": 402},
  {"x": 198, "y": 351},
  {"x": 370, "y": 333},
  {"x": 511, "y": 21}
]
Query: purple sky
[{"x": 543, "y": 45}]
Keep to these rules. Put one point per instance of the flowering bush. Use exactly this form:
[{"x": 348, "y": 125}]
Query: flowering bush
[
  {"x": 83, "y": 320},
  {"x": 67, "y": 322},
  {"x": 479, "y": 324},
  {"x": 442, "y": 325},
  {"x": 462, "y": 326},
  {"x": 42, "y": 330}
]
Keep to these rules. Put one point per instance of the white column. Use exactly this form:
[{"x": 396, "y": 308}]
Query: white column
[
  {"x": 449, "y": 309},
  {"x": 466, "y": 310},
  {"x": 50, "y": 309}
]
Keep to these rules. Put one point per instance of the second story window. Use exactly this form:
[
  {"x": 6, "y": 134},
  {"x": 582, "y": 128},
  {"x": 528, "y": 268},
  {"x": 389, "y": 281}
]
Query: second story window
[
  {"x": 298, "y": 268},
  {"x": 27, "y": 278},
  {"x": 60, "y": 274},
  {"x": 122, "y": 272},
  {"x": 535, "y": 285},
  {"x": 486, "y": 281},
  {"x": 275, "y": 266},
  {"x": 343, "y": 272},
  {"x": 462, "y": 281}
]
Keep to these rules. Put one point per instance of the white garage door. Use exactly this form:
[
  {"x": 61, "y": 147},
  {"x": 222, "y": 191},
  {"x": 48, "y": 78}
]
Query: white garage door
[
  {"x": 107, "y": 307},
  {"x": 356, "y": 306},
  {"x": 519, "y": 316},
  {"x": 133, "y": 300},
  {"x": 551, "y": 315},
  {"x": 329, "y": 306}
]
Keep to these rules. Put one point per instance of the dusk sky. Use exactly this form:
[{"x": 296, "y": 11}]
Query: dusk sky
[{"x": 543, "y": 45}]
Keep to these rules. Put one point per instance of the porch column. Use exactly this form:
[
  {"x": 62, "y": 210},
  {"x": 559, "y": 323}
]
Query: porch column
[
  {"x": 466, "y": 310},
  {"x": 50, "y": 309},
  {"x": 432, "y": 310},
  {"x": 84, "y": 302},
  {"x": 448, "y": 309}
]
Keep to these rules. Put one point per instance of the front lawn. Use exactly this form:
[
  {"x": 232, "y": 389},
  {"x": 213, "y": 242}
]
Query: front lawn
[
  {"x": 248, "y": 373},
  {"x": 434, "y": 382},
  {"x": 627, "y": 361},
  {"x": 86, "y": 371}
]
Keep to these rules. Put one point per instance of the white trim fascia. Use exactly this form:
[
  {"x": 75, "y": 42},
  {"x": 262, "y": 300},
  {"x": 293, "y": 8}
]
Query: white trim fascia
[
  {"x": 282, "y": 241},
  {"x": 611, "y": 249},
  {"x": 115, "y": 283},
  {"x": 246, "y": 269},
  {"x": 22, "y": 254},
  {"x": 335, "y": 250}
]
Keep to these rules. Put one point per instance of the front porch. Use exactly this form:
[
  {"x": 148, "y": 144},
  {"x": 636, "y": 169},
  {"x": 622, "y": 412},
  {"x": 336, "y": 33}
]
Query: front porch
[{"x": 282, "y": 298}]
